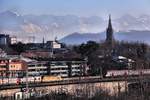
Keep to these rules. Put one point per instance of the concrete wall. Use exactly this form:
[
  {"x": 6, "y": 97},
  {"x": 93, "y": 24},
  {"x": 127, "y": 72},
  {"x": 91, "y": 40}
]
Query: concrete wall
[{"x": 113, "y": 88}]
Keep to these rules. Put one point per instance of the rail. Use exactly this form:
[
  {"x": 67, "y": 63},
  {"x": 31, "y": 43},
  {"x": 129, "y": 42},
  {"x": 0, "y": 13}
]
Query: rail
[{"x": 74, "y": 81}]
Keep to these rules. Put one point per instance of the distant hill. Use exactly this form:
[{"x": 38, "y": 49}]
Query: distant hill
[{"x": 78, "y": 38}]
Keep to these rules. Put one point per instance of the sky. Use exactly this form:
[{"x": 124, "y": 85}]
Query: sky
[{"x": 77, "y": 7}]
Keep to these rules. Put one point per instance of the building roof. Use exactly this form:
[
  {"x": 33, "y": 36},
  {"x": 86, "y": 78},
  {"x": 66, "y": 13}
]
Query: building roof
[
  {"x": 121, "y": 57},
  {"x": 18, "y": 57}
]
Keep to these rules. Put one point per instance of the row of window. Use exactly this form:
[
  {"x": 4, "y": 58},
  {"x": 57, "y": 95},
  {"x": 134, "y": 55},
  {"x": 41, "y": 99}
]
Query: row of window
[
  {"x": 3, "y": 66},
  {"x": 64, "y": 68},
  {"x": 38, "y": 65},
  {"x": 37, "y": 70},
  {"x": 12, "y": 66}
]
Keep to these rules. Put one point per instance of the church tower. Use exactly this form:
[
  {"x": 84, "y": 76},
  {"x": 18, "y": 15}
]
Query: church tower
[{"x": 109, "y": 33}]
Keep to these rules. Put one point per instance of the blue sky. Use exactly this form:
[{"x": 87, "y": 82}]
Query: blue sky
[{"x": 77, "y": 7}]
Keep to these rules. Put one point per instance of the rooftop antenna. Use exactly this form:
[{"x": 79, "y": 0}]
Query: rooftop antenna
[{"x": 43, "y": 40}]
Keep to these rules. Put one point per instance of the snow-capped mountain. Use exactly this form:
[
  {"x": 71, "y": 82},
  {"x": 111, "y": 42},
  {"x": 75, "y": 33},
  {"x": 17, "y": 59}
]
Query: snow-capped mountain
[
  {"x": 128, "y": 22},
  {"x": 51, "y": 26}
]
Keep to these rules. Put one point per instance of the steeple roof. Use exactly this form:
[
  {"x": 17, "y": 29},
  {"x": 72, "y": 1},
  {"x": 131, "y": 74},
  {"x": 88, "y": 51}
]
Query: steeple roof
[
  {"x": 109, "y": 33},
  {"x": 109, "y": 23}
]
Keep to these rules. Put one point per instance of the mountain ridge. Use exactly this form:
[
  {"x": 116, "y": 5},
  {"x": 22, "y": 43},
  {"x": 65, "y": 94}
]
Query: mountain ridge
[
  {"x": 79, "y": 38},
  {"x": 51, "y": 26}
]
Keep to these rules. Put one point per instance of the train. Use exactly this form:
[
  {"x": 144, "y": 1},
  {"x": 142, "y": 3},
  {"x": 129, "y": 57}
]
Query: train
[
  {"x": 30, "y": 79},
  {"x": 120, "y": 73},
  {"x": 40, "y": 79},
  {"x": 48, "y": 78}
]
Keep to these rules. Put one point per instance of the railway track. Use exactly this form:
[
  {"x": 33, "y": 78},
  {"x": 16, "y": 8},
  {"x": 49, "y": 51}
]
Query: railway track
[{"x": 75, "y": 81}]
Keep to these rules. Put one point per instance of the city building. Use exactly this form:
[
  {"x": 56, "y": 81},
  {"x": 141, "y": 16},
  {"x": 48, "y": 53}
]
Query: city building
[
  {"x": 12, "y": 68},
  {"x": 4, "y": 39},
  {"x": 57, "y": 68},
  {"x": 53, "y": 45},
  {"x": 37, "y": 68},
  {"x": 67, "y": 68},
  {"x": 37, "y": 54},
  {"x": 13, "y": 40},
  {"x": 34, "y": 67},
  {"x": 17, "y": 68},
  {"x": 56, "y": 45},
  {"x": 129, "y": 63},
  {"x": 4, "y": 63}
]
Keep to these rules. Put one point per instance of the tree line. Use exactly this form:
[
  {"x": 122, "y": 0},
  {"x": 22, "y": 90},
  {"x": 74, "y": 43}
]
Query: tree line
[{"x": 100, "y": 55}]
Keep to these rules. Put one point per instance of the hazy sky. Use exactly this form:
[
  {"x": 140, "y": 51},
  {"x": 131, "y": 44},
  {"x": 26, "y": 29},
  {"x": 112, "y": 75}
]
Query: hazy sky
[{"x": 77, "y": 7}]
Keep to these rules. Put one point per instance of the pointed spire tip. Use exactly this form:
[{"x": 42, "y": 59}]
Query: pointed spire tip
[{"x": 109, "y": 16}]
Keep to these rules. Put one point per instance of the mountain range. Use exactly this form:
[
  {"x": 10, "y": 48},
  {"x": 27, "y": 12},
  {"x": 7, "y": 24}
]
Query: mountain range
[
  {"x": 130, "y": 36},
  {"x": 51, "y": 26}
]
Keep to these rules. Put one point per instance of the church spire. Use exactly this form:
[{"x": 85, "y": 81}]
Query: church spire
[
  {"x": 109, "y": 24},
  {"x": 109, "y": 33}
]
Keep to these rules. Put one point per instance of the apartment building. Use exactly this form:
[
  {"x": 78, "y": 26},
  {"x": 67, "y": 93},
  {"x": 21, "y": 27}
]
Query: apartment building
[{"x": 67, "y": 68}]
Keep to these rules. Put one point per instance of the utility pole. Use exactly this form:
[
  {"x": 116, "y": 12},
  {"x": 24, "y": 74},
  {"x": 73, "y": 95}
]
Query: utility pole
[
  {"x": 119, "y": 89},
  {"x": 27, "y": 84},
  {"x": 52, "y": 51},
  {"x": 101, "y": 74},
  {"x": 141, "y": 81},
  {"x": 126, "y": 86}
]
